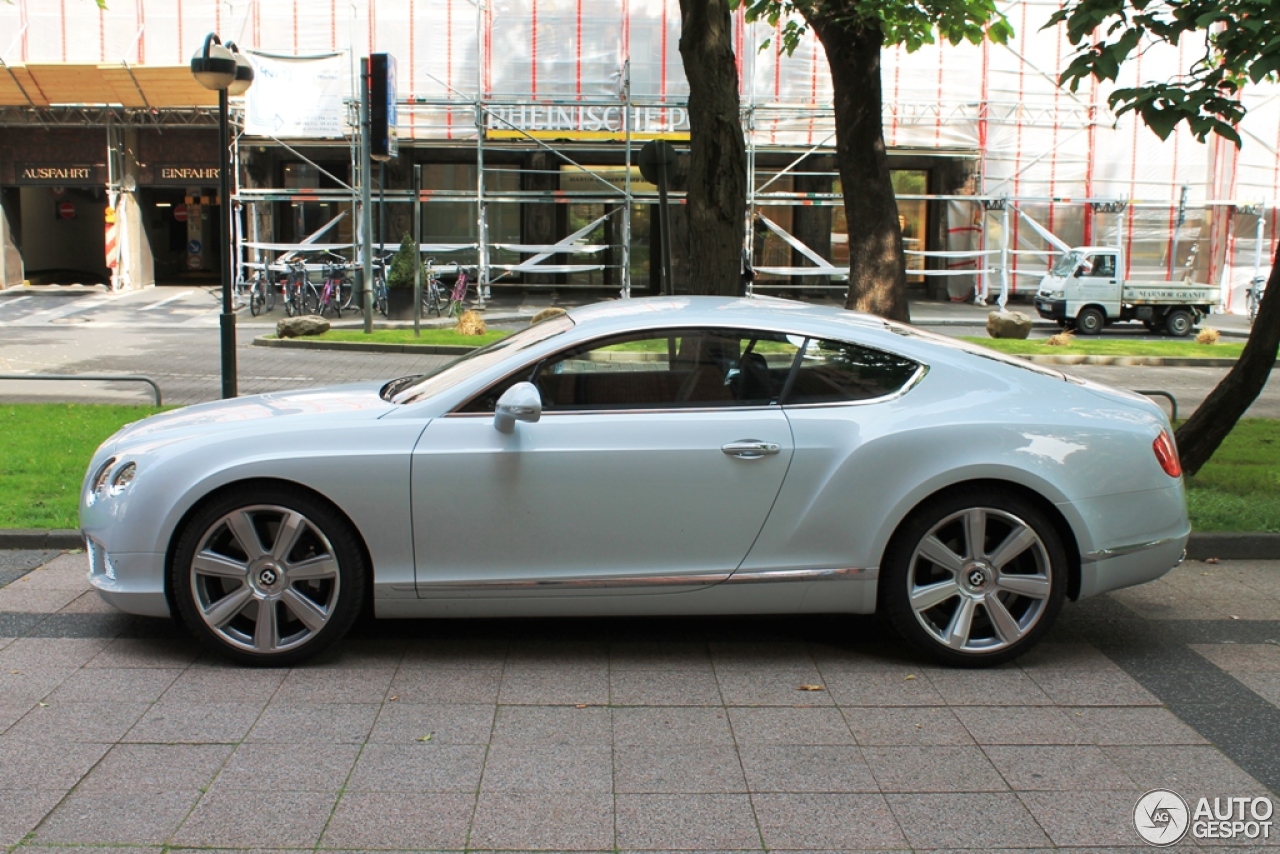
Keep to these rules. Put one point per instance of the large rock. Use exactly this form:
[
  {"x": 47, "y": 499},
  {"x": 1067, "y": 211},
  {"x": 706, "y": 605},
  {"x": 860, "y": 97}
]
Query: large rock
[
  {"x": 299, "y": 327},
  {"x": 1008, "y": 324}
]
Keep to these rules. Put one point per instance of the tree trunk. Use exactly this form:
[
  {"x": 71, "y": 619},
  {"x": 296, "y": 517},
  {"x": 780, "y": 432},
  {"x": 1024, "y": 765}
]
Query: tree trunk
[
  {"x": 717, "y": 194},
  {"x": 877, "y": 274},
  {"x": 1204, "y": 431}
]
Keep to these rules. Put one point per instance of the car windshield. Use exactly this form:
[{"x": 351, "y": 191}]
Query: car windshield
[
  {"x": 420, "y": 387},
  {"x": 1067, "y": 264}
]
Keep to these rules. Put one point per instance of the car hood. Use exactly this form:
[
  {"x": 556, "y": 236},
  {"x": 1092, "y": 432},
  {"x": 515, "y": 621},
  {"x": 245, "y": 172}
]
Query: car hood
[{"x": 359, "y": 402}]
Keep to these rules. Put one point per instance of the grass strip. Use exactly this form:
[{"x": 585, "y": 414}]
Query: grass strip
[
  {"x": 47, "y": 449},
  {"x": 1095, "y": 346},
  {"x": 429, "y": 337}
]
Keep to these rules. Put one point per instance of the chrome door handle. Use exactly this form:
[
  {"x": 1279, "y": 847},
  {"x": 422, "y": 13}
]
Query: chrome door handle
[{"x": 749, "y": 449}]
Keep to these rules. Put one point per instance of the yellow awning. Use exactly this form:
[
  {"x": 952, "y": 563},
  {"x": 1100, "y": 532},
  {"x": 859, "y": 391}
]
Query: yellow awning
[{"x": 130, "y": 86}]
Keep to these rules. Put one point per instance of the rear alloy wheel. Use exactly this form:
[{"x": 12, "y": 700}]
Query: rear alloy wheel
[
  {"x": 1090, "y": 321},
  {"x": 974, "y": 578},
  {"x": 269, "y": 577},
  {"x": 1178, "y": 323}
]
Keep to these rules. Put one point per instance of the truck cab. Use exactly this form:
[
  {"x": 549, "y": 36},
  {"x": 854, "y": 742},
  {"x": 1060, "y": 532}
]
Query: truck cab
[{"x": 1085, "y": 290}]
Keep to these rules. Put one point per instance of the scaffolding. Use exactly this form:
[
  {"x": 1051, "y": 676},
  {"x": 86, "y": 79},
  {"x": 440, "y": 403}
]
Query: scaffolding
[{"x": 563, "y": 77}]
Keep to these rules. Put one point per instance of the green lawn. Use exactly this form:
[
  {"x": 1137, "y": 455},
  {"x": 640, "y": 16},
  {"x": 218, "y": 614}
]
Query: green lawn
[
  {"x": 45, "y": 453},
  {"x": 434, "y": 337},
  {"x": 1185, "y": 348},
  {"x": 47, "y": 448}
]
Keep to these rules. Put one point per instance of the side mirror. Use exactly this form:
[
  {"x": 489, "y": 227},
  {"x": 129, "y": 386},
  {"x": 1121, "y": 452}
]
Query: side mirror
[{"x": 521, "y": 402}]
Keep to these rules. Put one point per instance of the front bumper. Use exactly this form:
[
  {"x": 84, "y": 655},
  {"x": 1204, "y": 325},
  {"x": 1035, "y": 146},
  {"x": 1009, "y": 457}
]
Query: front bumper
[
  {"x": 1051, "y": 309},
  {"x": 134, "y": 583}
]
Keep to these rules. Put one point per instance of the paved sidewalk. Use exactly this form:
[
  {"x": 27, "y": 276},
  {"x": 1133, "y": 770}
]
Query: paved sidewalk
[{"x": 630, "y": 734}]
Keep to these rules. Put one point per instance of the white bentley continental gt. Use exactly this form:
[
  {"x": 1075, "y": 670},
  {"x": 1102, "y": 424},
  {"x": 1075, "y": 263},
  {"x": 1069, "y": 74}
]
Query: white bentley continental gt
[{"x": 651, "y": 456}]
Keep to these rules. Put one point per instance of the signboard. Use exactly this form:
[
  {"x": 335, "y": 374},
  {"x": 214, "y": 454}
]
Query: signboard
[
  {"x": 549, "y": 121},
  {"x": 294, "y": 96},
  {"x": 186, "y": 175},
  {"x": 180, "y": 213},
  {"x": 66, "y": 210},
  {"x": 382, "y": 107},
  {"x": 59, "y": 174}
]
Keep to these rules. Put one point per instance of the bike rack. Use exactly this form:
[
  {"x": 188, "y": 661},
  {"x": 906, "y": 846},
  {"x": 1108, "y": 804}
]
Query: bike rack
[
  {"x": 1173, "y": 403},
  {"x": 99, "y": 377}
]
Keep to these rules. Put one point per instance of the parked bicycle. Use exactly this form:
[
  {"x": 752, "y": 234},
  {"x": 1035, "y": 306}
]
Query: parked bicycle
[
  {"x": 458, "y": 294},
  {"x": 294, "y": 288},
  {"x": 262, "y": 293},
  {"x": 1253, "y": 296},
  {"x": 434, "y": 296},
  {"x": 337, "y": 291},
  {"x": 380, "y": 284}
]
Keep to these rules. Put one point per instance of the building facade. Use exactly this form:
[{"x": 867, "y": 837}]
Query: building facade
[{"x": 527, "y": 119}]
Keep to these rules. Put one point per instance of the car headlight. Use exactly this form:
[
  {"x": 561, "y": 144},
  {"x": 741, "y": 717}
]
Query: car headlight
[
  {"x": 98, "y": 487},
  {"x": 123, "y": 477}
]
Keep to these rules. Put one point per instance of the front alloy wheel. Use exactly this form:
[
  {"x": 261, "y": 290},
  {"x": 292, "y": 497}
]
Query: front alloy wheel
[
  {"x": 268, "y": 581},
  {"x": 975, "y": 579}
]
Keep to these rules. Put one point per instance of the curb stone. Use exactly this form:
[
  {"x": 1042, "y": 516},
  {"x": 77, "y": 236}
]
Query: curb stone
[{"x": 1249, "y": 546}]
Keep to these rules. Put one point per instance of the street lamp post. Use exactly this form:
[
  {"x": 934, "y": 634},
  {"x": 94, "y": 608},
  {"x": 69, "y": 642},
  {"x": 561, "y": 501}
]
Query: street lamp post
[{"x": 225, "y": 70}]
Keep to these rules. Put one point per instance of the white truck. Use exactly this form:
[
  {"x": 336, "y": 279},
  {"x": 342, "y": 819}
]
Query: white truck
[{"x": 1083, "y": 291}]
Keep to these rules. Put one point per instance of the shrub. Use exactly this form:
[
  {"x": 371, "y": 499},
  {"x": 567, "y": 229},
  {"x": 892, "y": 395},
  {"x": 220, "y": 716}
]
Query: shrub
[
  {"x": 1208, "y": 335},
  {"x": 401, "y": 273},
  {"x": 470, "y": 323}
]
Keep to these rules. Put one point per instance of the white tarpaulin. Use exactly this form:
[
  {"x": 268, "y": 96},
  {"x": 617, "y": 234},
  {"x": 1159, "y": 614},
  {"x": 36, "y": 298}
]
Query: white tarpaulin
[{"x": 298, "y": 96}]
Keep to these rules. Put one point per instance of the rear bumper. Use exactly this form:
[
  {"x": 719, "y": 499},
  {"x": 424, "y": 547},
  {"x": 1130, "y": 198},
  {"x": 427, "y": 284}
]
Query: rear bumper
[{"x": 1113, "y": 569}]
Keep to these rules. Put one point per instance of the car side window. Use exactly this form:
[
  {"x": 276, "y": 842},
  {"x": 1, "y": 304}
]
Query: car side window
[
  {"x": 667, "y": 369},
  {"x": 1102, "y": 266},
  {"x": 837, "y": 371}
]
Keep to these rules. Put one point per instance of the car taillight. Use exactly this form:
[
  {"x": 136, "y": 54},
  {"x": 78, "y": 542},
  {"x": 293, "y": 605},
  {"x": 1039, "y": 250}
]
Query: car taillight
[{"x": 1167, "y": 454}]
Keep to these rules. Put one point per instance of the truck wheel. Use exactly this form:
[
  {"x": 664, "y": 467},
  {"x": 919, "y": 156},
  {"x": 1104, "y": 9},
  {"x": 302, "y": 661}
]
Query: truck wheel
[
  {"x": 1090, "y": 321},
  {"x": 1178, "y": 323}
]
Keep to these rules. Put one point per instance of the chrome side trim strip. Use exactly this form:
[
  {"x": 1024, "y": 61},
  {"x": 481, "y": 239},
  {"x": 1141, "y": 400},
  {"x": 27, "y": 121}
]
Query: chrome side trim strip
[
  {"x": 582, "y": 583},
  {"x": 766, "y": 576},
  {"x": 755, "y": 576},
  {"x": 1103, "y": 554}
]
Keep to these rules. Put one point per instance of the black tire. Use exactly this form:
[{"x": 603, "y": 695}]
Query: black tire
[
  {"x": 383, "y": 308},
  {"x": 269, "y": 289},
  {"x": 1090, "y": 320},
  {"x": 255, "y": 302},
  {"x": 310, "y": 300},
  {"x": 313, "y": 591},
  {"x": 1179, "y": 323},
  {"x": 973, "y": 607}
]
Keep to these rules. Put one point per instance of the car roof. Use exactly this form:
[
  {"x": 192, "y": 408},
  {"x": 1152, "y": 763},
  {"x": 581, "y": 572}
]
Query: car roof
[{"x": 758, "y": 312}]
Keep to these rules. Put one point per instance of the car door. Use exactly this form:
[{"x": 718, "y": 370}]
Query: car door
[{"x": 654, "y": 465}]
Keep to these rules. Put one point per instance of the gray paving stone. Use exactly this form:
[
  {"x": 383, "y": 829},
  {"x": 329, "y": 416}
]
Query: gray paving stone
[
  {"x": 897, "y": 686},
  {"x": 1028, "y": 768},
  {"x": 219, "y": 683},
  {"x": 675, "y": 725},
  {"x": 403, "y": 820},
  {"x": 686, "y": 821},
  {"x": 407, "y": 723},
  {"x": 807, "y": 768},
  {"x": 766, "y": 725},
  {"x": 941, "y": 768},
  {"x": 115, "y": 818},
  {"x": 1265, "y": 684},
  {"x": 1022, "y": 725},
  {"x": 1007, "y": 686},
  {"x": 150, "y": 768},
  {"x": 124, "y": 685},
  {"x": 969, "y": 820},
  {"x": 842, "y": 822},
  {"x": 332, "y": 722},
  {"x": 1097, "y": 688},
  {"x": 26, "y": 653},
  {"x": 1190, "y": 770},
  {"x": 95, "y": 722},
  {"x": 56, "y": 767},
  {"x": 233, "y": 819},
  {"x": 554, "y": 684},
  {"x": 146, "y": 652},
  {"x": 447, "y": 685},
  {"x": 1086, "y": 818},
  {"x": 665, "y": 656},
  {"x": 769, "y": 686},
  {"x": 333, "y": 685},
  {"x": 553, "y": 725},
  {"x": 671, "y": 769},
  {"x": 1107, "y": 725},
  {"x": 24, "y": 809},
  {"x": 642, "y": 687},
  {"x": 195, "y": 723},
  {"x": 582, "y": 768},
  {"x": 32, "y": 685},
  {"x": 565, "y": 822},
  {"x": 418, "y": 768},
  {"x": 884, "y": 726},
  {"x": 300, "y": 767}
]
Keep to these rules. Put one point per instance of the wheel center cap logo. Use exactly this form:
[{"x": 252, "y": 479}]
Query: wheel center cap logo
[
  {"x": 977, "y": 578},
  {"x": 268, "y": 577}
]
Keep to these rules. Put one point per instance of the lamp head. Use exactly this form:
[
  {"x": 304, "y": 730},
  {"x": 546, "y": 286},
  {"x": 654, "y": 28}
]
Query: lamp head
[
  {"x": 213, "y": 66},
  {"x": 244, "y": 71}
]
